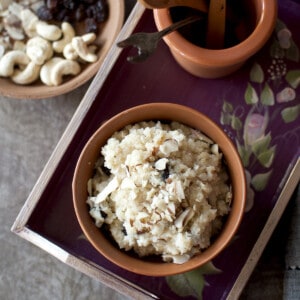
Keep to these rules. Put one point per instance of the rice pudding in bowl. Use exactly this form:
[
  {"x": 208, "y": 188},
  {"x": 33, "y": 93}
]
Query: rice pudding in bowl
[{"x": 159, "y": 180}]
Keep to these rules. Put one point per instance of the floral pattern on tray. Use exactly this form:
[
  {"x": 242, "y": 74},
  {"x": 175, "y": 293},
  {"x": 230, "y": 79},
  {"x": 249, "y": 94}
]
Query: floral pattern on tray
[{"x": 271, "y": 95}]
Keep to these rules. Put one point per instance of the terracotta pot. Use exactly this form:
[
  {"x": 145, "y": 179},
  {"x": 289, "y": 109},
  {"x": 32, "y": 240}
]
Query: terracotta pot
[
  {"x": 90, "y": 154},
  {"x": 209, "y": 63}
]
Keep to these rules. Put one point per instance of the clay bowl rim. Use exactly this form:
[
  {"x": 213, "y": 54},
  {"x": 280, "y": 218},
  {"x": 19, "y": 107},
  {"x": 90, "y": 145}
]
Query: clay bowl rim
[
  {"x": 105, "y": 39},
  {"x": 90, "y": 152},
  {"x": 221, "y": 57}
]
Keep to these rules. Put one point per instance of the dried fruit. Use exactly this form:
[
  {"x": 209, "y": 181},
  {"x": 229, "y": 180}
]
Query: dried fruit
[{"x": 90, "y": 12}]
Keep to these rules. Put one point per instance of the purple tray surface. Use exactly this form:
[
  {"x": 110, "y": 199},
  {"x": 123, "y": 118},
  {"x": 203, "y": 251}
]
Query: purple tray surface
[{"x": 230, "y": 102}]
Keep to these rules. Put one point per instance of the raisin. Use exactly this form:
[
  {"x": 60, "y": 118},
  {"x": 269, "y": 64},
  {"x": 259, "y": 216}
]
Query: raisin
[
  {"x": 165, "y": 173},
  {"x": 106, "y": 170},
  {"x": 91, "y": 25},
  {"x": 69, "y": 4},
  {"x": 61, "y": 15},
  {"x": 124, "y": 231},
  {"x": 44, "y": 13},
  {"x": 91, "y": 11},
  {"x": 103, "y": 214},
  {"x": 102, "y": 5},
  {"x": 100, "y": 17},
  {"x": 80, "y": 13},
  {"x": 51, "y": 4}
]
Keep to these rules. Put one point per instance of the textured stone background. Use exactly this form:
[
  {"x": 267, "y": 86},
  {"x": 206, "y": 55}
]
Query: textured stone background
[{"x": 29, "y": 131}]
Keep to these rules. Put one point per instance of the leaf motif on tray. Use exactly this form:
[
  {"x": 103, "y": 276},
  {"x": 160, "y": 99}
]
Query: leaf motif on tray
[
  {"x": 267, "y": 96},
  {"x": 260, "y": 181},
  {"x": 290, "y": 114},
  {"x": 251, "y": 95},
  {"x": 256, "y": 73},
  {"x": 266, "y": 158},
  {"x": 293, "y": 78},
  {"x": 191, "y": 283}
]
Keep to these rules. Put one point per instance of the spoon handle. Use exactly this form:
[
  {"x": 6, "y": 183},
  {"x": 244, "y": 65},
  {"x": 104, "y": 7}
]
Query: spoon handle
[
  {"x": 216, "y": 24},
  {"x": 178, "y": 25}
]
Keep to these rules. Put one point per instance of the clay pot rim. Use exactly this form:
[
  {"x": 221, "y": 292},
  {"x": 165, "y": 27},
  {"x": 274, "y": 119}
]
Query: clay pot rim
[
  {"x": 150, "y": 111},
  {"x": 223, "y": 57}
]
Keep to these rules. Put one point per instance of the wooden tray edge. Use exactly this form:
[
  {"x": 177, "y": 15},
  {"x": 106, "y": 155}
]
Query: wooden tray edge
[
  {"x": 268, "y": 229},
  {"x": 109, "y": 279}
]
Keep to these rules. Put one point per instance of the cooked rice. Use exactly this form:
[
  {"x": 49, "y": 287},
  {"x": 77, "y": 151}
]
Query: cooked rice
[{"x": 161, "y": 189}]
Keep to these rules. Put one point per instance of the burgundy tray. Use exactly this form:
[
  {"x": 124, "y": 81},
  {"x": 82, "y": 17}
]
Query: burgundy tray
[{"x": 258, "y": 107}]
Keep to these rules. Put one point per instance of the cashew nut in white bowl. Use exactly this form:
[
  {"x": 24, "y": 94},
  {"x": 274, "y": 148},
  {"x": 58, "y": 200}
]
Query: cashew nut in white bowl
[
  {"x": 52, "y": 71},
  {"x": 48, "y": 31},
  {"x": 68, "y": 33},
  {"x": 10, "y": 60},
  {"x": 30, "y": 74},
  {"x": 39, "y": 50}
]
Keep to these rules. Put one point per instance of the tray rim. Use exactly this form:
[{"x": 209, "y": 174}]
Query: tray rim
[{"x": 106, "y": 277}]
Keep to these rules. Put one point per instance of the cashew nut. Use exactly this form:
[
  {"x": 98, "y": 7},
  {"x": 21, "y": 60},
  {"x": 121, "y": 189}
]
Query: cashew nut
[
  {"x": 29, "y": 21},
  {"x": 80, "y": 45},
  {"x": 28, "y": 75},
  {"x": 33, "y": 26},
  {"x": 82, "y": 50},
  {"x": 65, "y": 67},
  {"x": 46, "y": 69},
  {"x": 68, "y": 33},
  {"x": 52, "y": 72},
  {"x": 19, "y": 45},
  {"x": 12, "y": 59},
  {"x": 69, "y": 52},
  {"x": 89, "y": 38},
  {"x": 2, "y": 50},
  {"x": 34, "y": 57},
  {"x": 48, "y": 31},
  {"x": 13, "y": 28},
  {"x": 39, "y": 50}
]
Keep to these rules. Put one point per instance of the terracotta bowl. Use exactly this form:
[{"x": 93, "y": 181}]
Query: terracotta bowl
[
  {"x": 37, "y": 90},
  {"x": 210, "y": 63},
  {"x": 84, "y": 171}
]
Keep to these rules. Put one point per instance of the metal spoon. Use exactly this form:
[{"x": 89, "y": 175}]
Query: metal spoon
[
  {"x": 146, "y": 43},
  {"x": 197, "y": 4}
]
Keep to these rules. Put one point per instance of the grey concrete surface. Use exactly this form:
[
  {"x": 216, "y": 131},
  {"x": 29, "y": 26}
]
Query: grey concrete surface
[{"x": 29, "y": 131}]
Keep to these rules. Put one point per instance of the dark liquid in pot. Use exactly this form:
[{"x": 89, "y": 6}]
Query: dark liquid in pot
[{"x": 240, "y": 23}]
